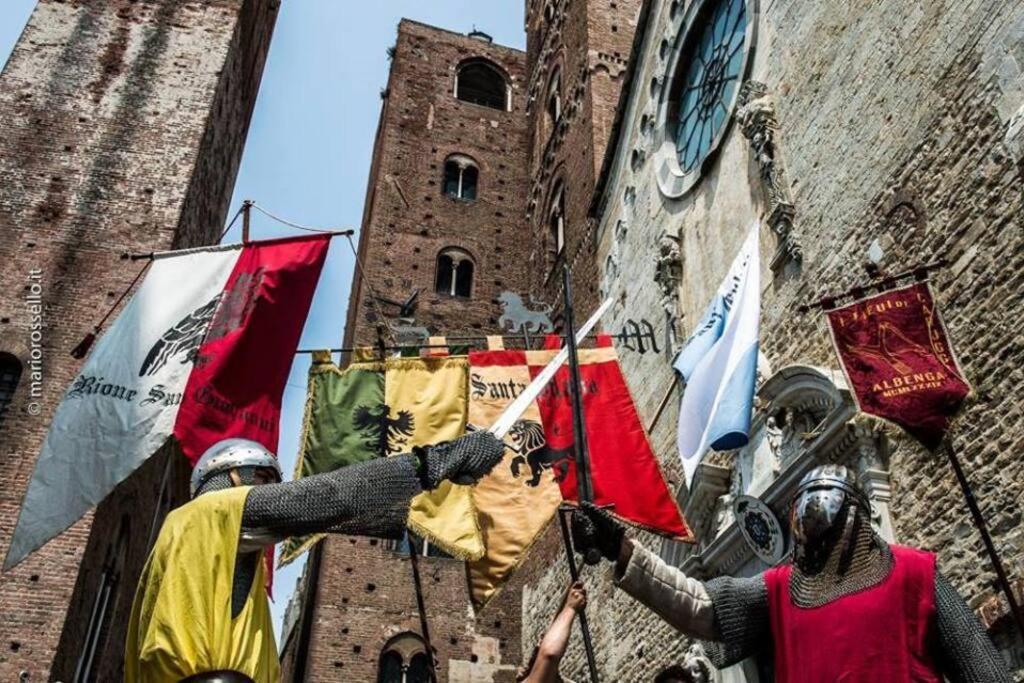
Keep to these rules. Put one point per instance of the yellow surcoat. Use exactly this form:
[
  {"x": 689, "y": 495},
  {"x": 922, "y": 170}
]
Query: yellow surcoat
[{"x": 181, "y": 622}]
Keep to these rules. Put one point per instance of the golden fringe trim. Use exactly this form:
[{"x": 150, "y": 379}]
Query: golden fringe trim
[
  {"x": 308, "y": 542},
  {"x": 454, "y": 551}
]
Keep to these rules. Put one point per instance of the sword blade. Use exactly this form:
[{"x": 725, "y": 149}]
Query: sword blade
[{"x": 532, "y": 391}]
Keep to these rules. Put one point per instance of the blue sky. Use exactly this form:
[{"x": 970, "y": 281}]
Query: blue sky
[{"x": 308, "y": 153}]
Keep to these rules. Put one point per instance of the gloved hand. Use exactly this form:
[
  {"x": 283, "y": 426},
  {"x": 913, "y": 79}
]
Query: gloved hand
[
  {"x": 463, "y": 461},
  {"x": 594, "y": 528}
]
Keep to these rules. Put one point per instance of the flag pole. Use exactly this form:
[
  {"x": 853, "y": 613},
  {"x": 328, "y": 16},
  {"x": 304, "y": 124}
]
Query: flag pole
[
  {"x": 574, "y": 574},
  {"x": 585, "y": 487},
  {"x": 990, "y": 548}
]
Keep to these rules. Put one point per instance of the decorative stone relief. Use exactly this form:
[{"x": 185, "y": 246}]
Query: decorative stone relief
[
  {"x": 668, "y": 274},
  {"x": 759, "y": 123},
  {"x": 697, "y": 664}
]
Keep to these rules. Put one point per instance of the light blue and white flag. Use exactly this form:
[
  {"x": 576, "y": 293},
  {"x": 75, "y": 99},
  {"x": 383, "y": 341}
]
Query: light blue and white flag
[{"x": 719, "y": 363}]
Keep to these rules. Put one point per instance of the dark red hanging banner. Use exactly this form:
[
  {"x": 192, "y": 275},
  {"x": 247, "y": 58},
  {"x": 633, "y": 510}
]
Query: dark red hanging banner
[{"x": 899, "y": 362}]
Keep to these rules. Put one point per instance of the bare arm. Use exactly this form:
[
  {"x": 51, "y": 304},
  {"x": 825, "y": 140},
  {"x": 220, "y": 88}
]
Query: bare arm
[{"x": 556, "y": 640}]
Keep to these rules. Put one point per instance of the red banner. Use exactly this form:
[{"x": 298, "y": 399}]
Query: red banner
[
  {"x": 899, "y": 362},
  {"x": 243, "y": 362},
  {"x": 624, "y": 470}
]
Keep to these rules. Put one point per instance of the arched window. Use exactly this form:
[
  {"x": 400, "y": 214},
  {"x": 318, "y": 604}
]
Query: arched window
[
  {"x": 553, "y": 107},
  {"x": 556, "y": 220},
  {"x": 461, "y": 176},
  {"x": 480, "y": 82},
  {"x": 404, "y": 660},
  {"x": 454, "y": 273},
  {"x": 10, "y": 375}
]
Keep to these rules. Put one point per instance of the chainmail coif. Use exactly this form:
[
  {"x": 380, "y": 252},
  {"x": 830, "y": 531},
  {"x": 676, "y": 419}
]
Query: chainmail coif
[{"x": 853, "y": 560}]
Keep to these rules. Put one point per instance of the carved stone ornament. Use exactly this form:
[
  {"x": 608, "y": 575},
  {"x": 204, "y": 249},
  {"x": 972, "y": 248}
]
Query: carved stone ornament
[
  {"x": 668, "y": 274},
  {"x": 757, "y": 119},
  {"x": 761, "y": 529},
  {"x": 697, "y": 664}
]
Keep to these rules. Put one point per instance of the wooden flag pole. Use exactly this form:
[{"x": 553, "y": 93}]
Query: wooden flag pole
[
  {"x": 990, "y": 548},
  {"x": 246, "y": 211},
  {"x": 585, "y": 486}
]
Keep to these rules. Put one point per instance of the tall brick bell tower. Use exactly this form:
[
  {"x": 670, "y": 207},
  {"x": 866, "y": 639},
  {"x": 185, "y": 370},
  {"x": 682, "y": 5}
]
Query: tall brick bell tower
[
  {"x": 443, "y": 221},
  {"x": 121, "y": 129}
]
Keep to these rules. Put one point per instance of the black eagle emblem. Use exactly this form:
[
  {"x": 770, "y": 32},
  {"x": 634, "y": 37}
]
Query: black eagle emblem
[
  {"x": 182, "y": 340},
  {"x": 383, "y": 433}
]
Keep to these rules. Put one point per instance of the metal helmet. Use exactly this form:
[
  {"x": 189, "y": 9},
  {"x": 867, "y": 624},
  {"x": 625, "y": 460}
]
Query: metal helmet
[
  {"x": 820, "y": 498},
  {"x": 230, "y": 454}
]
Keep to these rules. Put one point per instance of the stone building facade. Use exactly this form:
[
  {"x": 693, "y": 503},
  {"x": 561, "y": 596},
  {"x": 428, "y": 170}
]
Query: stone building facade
[
  {"x": 439, "y": 245},
  {"x": 866, "y": 137},
  {"x": 121, "y": 129}
]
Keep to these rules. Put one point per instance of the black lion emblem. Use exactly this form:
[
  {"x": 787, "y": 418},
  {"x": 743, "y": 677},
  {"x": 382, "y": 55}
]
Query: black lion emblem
[{"x": 532, "y": 449}]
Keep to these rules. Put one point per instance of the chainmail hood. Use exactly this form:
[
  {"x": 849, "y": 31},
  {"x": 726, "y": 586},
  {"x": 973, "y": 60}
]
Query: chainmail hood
[{"x": 850, "y": 559}]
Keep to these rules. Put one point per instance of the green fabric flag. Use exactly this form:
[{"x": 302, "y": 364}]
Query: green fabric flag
[{"x": 344, "y": 423}]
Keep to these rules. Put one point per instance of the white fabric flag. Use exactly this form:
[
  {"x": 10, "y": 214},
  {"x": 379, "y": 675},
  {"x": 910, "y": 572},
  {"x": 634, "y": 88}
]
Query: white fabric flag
[
  {"x": 719, "y": 363},
  {"x": 123, "y": 404}
]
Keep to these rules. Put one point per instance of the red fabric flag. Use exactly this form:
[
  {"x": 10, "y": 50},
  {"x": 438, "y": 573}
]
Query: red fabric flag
[
  {"x": 242, "y": 365},
  {"x": 623, "y": 467},
  {"x": 899, "y": 362}
]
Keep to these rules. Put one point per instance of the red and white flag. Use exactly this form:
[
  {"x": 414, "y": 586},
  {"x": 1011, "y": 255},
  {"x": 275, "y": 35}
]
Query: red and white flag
[{"x": 201, "y": 352}]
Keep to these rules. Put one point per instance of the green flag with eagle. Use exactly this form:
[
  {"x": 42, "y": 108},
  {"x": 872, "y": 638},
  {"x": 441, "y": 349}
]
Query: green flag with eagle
[{"x": 345, "y": 422}]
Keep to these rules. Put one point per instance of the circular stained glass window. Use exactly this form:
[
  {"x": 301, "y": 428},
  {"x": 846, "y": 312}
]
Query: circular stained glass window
[{"x": 704, "y": 77}]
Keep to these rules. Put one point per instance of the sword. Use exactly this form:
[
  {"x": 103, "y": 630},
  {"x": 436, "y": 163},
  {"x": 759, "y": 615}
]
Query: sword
[{"x": 518, "y": 407}]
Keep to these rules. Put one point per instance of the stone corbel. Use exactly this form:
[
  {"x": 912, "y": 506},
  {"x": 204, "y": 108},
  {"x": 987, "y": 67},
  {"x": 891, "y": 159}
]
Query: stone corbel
[
  {"x": 759, "y": 123},
  {"x": 876, "y": 485}
]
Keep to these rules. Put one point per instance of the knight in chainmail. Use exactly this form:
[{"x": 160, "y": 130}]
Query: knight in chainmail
[
  {"x": 201, "y": 613},
  {"x": 850, "y": 607}
]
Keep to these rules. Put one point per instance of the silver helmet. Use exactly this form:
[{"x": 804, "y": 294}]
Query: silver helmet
[
  {"x": 230, "y": 454},
  {"x": 820, "y": 498}
]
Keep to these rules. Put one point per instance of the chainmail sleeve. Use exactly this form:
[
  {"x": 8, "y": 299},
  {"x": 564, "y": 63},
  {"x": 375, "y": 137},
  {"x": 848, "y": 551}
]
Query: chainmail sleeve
[
  {"x": 741, "y": 619},
  {"x": 966, "y": 653},
  {"x": 366, "y": 499}
]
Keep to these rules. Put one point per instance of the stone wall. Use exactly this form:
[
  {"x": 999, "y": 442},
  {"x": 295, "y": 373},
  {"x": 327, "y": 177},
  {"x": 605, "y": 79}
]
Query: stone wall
[
  {"x": 121, "y": 128},
  {"x": 901, "y": 127}
]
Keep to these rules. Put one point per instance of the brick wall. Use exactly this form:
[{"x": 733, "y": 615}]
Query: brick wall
[
  {"x": 901, "y": 128},
  {"x": 122, "y": 127},
  {"x": 407, "y": 221}
]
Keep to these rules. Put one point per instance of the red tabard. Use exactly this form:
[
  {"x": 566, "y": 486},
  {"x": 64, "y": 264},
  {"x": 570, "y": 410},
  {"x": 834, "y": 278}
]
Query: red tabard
[{"x": 885, "y": 633}]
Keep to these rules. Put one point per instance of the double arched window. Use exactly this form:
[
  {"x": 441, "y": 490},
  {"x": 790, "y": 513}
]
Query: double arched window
[
  {"x": 481, "y": 82},
  {"x": 454, "y": 273},
  {"x": 404, "y": 660},
  {"x": 10, "y": 375},
  {"x": 461, "y": 176}
]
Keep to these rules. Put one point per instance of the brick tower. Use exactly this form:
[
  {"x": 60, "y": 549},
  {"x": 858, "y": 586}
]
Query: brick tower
[
  {"x": 578, "y": 56},
  {"x": 122, "y": 128},
  {"x": 443, "y": 232}
]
